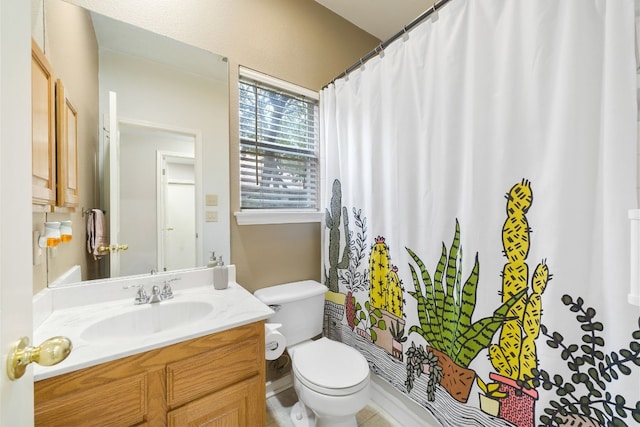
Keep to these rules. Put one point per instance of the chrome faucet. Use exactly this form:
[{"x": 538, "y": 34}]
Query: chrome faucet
[{"x": 157, "y": 295}]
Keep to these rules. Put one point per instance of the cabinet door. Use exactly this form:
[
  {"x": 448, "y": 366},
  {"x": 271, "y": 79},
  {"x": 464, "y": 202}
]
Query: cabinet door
[
  {"x": 238, "y": 405},
  {"x": 67, "y": 148},
  {"x": 122, "y": 402},
  {"x": 43, "y": 129}
]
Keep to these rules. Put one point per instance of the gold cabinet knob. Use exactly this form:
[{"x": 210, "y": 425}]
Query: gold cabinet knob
[
  {"x": 123, "y": 247},
  {"x": 51, "y": 352}
]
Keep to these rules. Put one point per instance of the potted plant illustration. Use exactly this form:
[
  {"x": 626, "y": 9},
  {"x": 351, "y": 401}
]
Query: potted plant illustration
[
  {"x": 353, "y": 279},
  {"x": 515, "y": 356},
  {"x": 386, "y": 292},
  {"x": 421, "y": 362},
  {"x": 490, "y": 397},
  {"x": 445, "y": 309},
  {"x": 397, "y": 332},
  {"x": 584, "y": 397},
  {"x": 368, "y": 320},
  {"x": 335, "y": 301}
]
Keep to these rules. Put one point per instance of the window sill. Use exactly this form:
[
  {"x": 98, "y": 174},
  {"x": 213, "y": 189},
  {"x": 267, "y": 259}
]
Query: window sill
[{"x": 277, "y": 217}]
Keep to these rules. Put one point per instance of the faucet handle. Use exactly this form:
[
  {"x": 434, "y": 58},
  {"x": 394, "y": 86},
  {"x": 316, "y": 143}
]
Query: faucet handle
[
  {"x": 167, "y": 292},
  {"x": 141, "y": 296}
]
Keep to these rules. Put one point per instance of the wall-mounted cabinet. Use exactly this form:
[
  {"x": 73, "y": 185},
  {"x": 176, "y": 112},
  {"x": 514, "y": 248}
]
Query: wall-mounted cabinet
[
  {"x": 54, "y": 124},
  {"x": 43, "y": 130}
]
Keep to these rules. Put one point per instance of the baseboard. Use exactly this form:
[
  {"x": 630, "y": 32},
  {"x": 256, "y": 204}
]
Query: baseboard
[
  {"x": 281, "y": 384},
  {"x": 403, "y": 410}
]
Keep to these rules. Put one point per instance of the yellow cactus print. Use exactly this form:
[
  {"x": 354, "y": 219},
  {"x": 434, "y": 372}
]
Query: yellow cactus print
[
  {"x": 394, "y": 293},
  {"x": 379, "y": 268},
  {"x": 515, "y": 356},
  {"x": 385, "y": 287}
]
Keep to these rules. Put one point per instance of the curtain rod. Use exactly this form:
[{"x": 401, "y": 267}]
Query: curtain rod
[{"x": 382, "y": 46}]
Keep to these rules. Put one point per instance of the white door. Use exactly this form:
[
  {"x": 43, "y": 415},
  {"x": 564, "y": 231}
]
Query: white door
[
  {"x": 112, "y": 169},
  {"x": 176, "y": 212},
  {"x": 16, "y": 288},
  {"x": 181, "y": 226}
]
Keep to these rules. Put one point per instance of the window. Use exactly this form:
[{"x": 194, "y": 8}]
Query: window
[{"x": 279, "y": 166}]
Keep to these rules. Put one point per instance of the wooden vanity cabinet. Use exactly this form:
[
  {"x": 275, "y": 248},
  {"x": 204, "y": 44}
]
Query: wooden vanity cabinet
[{"x": 216, "y": 380}]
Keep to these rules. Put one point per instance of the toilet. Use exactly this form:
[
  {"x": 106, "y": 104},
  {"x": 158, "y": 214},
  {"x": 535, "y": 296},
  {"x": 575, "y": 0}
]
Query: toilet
[{"x": 330, "y": 378}]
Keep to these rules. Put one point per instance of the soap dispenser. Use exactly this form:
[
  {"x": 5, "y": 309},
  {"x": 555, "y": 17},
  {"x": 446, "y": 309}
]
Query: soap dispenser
[
  {"x": 220, "y": 275},
  {"x": 212, "y": 260}
]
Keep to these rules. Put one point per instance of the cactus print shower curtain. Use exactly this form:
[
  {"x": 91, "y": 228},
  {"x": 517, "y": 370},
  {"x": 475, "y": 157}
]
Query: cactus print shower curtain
[{"x": 477, "y": 179}]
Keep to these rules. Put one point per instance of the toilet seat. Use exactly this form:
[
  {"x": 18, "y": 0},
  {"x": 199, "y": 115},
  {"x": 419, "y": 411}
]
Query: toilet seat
[{"x": 330, "y": 367}]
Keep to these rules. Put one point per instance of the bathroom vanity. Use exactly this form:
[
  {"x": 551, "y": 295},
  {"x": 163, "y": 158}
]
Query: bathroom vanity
[
  {"x": 203, "y": 366},
  {"x": 217, "y": 379}
]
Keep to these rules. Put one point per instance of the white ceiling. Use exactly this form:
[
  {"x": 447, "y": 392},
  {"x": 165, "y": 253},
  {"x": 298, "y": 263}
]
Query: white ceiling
[{"x": 380, "y": 18}]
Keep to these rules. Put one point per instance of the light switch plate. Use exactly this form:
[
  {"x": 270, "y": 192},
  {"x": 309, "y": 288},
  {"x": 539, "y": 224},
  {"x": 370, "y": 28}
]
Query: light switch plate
[
  {"x": 211, "y": 199},
  {"x": 211, "y": 216}
]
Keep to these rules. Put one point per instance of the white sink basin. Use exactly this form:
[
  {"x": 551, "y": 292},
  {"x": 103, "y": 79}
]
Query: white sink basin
[{"x": 146, "y": 319}]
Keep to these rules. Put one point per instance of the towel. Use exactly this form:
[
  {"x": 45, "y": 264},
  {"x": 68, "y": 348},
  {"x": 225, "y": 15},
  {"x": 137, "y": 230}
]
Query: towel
[{"x": 96, "y": 233}]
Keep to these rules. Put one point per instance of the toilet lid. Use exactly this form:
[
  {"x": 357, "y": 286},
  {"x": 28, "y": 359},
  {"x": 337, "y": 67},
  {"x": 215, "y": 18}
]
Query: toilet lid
[{"x": 331, "y": 367}]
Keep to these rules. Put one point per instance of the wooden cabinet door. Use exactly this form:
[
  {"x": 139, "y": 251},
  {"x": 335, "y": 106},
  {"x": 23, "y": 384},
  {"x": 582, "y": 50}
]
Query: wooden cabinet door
[
  {"x": 42, "y": 129},
  {"x": 238, "y": 405},
  {"x": 122, "y": 402},
  {"x": 67, "y": 148}
]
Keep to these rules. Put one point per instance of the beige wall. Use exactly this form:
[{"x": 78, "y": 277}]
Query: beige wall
[
  {"x": 295, "y": 40},
  {"x": 74, "y": 60},
  {"x": 309, "y": 47}
]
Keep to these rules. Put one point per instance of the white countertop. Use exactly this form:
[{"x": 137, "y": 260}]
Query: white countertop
[{"x": 232, "y": 307}]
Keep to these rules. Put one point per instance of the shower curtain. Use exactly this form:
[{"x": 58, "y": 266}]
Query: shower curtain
[{"x": 477, "y": 178}]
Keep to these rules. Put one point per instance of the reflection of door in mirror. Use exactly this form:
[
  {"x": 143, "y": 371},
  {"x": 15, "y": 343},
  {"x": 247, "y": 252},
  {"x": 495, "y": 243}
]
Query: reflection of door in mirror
[
  {"x": 111, "y": 180},
  {"x": 176, "y": 208},
  {"x": 157, "y": 198}
]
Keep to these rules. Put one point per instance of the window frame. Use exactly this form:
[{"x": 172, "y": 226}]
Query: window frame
[{"x": 281, "y": 215}]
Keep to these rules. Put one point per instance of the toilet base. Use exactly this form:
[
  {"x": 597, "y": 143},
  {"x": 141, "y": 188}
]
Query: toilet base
[{"x": 301, "y": 416}]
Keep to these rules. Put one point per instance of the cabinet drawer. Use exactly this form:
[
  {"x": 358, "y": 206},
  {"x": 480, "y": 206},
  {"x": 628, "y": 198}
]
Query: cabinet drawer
[
  {"x": 213, "y": 370},
  {"x": 121, "y": 402}
]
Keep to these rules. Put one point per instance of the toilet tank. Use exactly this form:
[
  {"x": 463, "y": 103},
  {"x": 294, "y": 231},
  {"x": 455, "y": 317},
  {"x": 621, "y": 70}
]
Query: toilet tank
[{"x": 298, "y": 306}]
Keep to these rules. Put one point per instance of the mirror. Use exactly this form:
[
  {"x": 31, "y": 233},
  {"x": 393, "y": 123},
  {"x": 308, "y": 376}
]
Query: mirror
[{"x": 172, "y": 115}]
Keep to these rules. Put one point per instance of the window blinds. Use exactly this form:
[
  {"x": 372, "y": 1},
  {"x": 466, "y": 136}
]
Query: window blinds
[{"x": 278, "y": 148}]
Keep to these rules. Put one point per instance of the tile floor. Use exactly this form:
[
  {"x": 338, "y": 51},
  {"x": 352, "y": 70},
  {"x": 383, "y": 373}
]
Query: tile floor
[{"x": 279, "y": 407}]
